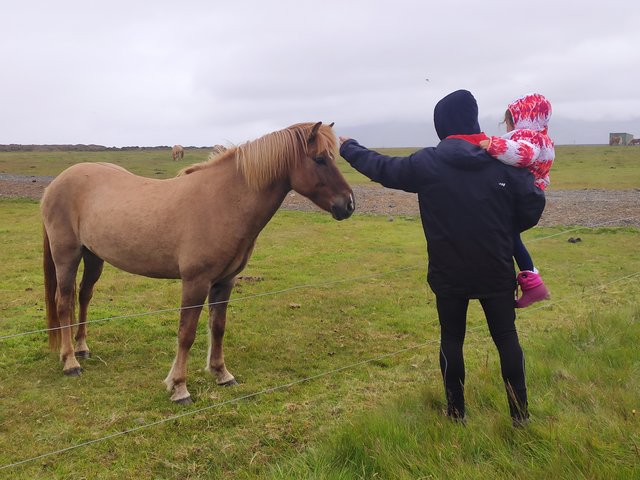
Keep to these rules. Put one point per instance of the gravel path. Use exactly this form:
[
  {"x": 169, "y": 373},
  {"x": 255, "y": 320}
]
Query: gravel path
[{"x": 589, "y": 208}]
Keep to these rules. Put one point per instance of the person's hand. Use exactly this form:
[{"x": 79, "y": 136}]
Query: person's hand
[
  {"x": 485, "y": 143},
  {"x": 343, "y": 139}
]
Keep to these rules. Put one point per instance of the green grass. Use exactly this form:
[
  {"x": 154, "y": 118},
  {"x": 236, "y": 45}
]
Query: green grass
[
  {"x": 377, "y": 417},
  {"x": 585, "y": 417},
  {"x": 380, "y": 419},
  {"x": 145, "y": 162},
  {"x": 575, "y": 167}
]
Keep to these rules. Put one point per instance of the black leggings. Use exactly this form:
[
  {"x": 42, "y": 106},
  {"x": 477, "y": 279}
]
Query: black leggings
[{"x": 500, "y": 314}]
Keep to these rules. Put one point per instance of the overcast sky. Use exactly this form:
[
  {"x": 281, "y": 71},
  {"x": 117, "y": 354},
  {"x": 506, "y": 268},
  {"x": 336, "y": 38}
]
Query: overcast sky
[{"x": 121, "y": 73}]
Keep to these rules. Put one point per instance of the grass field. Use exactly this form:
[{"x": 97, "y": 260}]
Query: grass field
[
  {"x": 338, "y": 378},
  {"x": 575, "y": 166}
]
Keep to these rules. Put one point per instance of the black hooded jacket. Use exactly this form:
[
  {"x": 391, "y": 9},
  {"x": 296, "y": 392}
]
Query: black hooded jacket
[{"x": 470, "y": 203}]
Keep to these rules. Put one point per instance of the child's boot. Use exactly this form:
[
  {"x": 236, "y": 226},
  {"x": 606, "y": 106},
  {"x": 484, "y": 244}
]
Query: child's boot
[{"x": 532, "y": 287}]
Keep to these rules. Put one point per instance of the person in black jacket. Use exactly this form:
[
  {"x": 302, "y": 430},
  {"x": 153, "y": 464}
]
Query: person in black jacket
[{"x": 470, "y": 205}]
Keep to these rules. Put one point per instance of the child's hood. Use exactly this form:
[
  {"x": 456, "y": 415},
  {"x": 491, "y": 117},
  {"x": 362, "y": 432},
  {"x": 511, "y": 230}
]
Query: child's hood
[{"x": 531, "y": 112}]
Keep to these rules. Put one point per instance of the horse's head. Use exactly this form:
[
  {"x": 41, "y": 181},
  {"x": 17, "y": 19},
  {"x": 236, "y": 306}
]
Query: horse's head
[{"x": 317, "y": 177}]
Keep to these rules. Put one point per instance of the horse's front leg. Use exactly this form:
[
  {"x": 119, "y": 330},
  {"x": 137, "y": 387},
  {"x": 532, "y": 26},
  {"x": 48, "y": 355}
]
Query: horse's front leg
[
  {"x": 193, "y": 296},
  {"x": 218, "y": 299}
]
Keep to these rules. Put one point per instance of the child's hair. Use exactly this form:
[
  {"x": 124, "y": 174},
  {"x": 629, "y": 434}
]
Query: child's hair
[{"x": 508, "y": 118}]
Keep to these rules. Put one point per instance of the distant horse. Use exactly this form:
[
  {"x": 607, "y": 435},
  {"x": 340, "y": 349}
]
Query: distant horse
[
  {"x": 177, "y": 152},
  {"x": 634, "y": 141},
  {"x": 217, "y": 150},
  {"x": 615, "y": 140},
  {"x": 200, "y": 226}
]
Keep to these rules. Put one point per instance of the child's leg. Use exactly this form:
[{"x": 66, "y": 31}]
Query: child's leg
[
  {"x": 520, "y": 253},
  {"x": 532, "y": 286}
]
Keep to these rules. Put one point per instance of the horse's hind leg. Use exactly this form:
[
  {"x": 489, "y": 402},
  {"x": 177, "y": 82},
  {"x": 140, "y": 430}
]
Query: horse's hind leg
[
  {"x": 92, "y": 271},
  {"x": 65, "y": 303},
  {"x": 218, "y": 298}
]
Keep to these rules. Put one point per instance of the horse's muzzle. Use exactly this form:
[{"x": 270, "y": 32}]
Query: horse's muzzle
[{"x": 344, "y": 208}]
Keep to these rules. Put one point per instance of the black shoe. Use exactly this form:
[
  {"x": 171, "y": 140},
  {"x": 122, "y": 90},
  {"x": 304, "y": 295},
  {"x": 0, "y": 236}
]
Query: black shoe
[
  {"x": 455, "y": 416},
  {"x": 520, "y": 422}
]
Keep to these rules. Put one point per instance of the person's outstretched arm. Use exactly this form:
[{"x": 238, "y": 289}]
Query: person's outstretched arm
[{"x": 402, "y": 173}]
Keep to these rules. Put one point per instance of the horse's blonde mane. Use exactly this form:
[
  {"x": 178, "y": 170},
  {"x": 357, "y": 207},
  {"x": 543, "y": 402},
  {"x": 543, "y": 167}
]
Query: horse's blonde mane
[{"x": 267, "y": 158}]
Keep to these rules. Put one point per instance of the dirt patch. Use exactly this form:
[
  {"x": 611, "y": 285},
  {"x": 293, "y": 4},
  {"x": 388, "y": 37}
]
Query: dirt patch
[
  {"x": 590, "y": 208},
  {"x": 22, "y": 186}
]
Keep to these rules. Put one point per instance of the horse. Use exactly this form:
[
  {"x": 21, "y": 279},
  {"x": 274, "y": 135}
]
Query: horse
[
  {"x": 615, "y": 140},
  {"x": 177, "y": 152},
  {"x": 217, "y": 149},
  {"x": 634, "y": 141},
  {"x": 199, "y": 226}
]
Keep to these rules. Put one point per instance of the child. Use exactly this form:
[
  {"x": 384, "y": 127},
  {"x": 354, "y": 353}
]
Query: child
[{"x": 526, "y": 145}]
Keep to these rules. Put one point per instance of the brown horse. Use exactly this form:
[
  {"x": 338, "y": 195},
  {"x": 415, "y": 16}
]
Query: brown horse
[
  {"x": 218, "y": 149},
  {"x": 177, "y": 152},
  {"x": 200, "y": 226}
]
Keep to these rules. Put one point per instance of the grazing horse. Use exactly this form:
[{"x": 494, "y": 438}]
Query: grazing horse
[
  {"x": 217, "y": 150},
  {"x": 634, "y": 141},
  {"x": 200, "y": 226},
  {"x": 177, "y": 152}
]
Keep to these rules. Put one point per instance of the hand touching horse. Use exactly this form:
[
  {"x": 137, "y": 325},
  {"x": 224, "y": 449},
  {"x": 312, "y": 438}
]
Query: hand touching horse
[{"x": 200, "y": 226}]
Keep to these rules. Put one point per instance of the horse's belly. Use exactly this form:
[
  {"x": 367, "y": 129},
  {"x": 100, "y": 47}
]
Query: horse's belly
[
  {"x": 146, "y": 269},
  {"x": 134, "y": 254}
]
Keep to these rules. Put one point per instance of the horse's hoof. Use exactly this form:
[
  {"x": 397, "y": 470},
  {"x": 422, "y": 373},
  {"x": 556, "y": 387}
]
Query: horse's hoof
[
  {"x": 73, "y": 372},
  {"x": 83, "y": 354},
  {"x": 229, "y": 383},
  {"x": 184, "y": 401}
]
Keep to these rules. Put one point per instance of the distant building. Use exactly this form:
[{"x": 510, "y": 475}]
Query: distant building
[{"x": 620, "y": 138}]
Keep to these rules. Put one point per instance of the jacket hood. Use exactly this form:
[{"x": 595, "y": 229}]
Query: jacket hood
[
  {"x": 531, "y": 112},
  {"x": 456, "y": 114}
]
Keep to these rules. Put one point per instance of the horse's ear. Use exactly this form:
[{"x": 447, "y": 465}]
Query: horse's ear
[
  {"x": 314, "y": 133},
  {"x": 332, "y": 124}
]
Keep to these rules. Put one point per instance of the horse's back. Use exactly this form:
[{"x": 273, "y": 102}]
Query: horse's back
[{"x": 77, "y": 182}]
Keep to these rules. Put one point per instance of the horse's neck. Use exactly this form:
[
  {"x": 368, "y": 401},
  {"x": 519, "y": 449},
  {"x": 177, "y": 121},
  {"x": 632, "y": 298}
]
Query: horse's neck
[
  {"x": 225, "y": 185},
  {"x": 257, "y": 207}
]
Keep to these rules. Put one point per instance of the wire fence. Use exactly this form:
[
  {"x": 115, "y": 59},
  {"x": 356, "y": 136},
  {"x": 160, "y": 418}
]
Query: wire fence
[
  {"x": 284, "y": 386},
  {"x": 265, "y": 294}
]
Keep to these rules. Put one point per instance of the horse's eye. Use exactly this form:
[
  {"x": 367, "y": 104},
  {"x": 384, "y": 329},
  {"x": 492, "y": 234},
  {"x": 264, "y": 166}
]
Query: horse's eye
[{"x": 320, "y": 160}]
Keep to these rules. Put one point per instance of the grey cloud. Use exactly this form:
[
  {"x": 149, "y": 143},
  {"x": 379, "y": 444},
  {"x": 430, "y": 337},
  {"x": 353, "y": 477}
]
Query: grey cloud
[{"x": 199, "y": 72}]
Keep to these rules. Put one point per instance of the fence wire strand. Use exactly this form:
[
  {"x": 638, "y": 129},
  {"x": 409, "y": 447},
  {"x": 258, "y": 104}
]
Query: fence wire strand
[
  {"x": 299, "y": 381},
  {"x": 208, "y": 304},
  {"x": 295, "y": 382},
  {"x": 276, "y": 292}
]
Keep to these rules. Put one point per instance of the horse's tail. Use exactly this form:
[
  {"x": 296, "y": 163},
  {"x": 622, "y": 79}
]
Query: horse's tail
[{"x": 50, "y": 287}]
